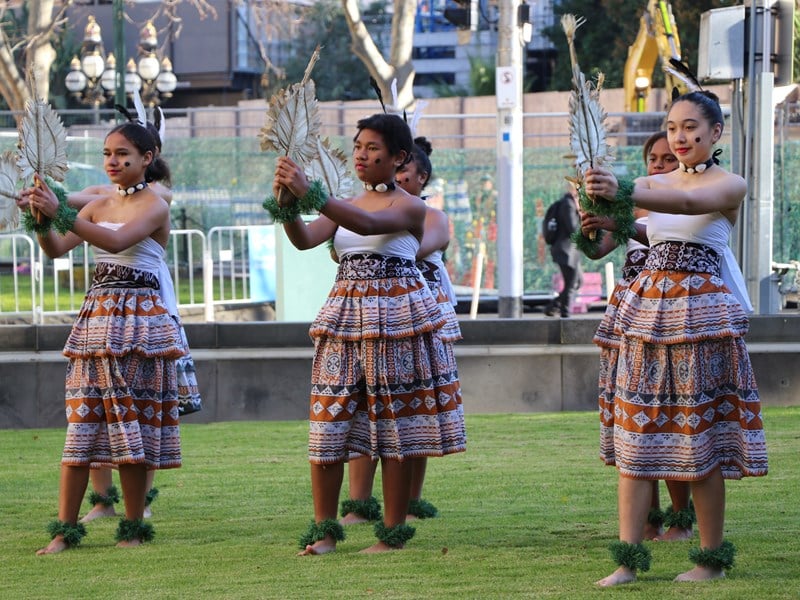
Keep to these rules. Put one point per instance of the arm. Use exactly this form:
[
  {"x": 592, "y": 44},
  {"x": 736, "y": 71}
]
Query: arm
[
  {"x": 724, "y": 192},
  {"x": 437, "y": 233},
  {"x": 590, "y": 223},
  {"x": 406, "y": 212},
  {"x": 152, "y": 216},
  {"x": 80, "y": 199}
]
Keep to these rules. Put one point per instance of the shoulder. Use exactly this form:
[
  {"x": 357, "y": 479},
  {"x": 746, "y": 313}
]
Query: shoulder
[{"x": 162, "y": 190}]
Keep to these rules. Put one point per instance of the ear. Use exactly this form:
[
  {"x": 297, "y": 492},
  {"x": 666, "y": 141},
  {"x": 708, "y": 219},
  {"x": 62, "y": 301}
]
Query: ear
[
  {"x": 148, "y": 157},
  {"x": 401, "y": 158},
  {"x": 715, "y": 137}
]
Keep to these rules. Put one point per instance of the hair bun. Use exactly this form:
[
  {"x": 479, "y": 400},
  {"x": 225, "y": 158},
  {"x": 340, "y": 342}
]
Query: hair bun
[{"x": 423, "y": 144}]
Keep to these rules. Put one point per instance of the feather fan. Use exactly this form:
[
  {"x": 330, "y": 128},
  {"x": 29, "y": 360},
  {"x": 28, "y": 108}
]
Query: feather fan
[
  {"x": 42, "y": 143},
  {"x": 330, "y": 165},
  {"x": 587, "y": 135},
  {"x": 292, "y": 124},
  {"x": 9, "y": 177},
  {"x": 587, "y": 128}
]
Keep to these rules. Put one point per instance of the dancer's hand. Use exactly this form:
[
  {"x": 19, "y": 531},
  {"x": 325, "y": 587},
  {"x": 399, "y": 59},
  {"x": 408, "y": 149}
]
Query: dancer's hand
[
  {"x": 39, "y": 197},
  {"x": 290, "y": 176},
  {"x": 600, "y": 182}
]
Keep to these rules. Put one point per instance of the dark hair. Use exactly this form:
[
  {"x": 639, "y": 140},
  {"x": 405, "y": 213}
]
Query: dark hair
[
  {"x": 394, "y": 131},
  {"x": 708, "y": 104},
  {"x": 145, "y": 141},
  {"x": 650, "y": 142},
  {"x": 158, "y": 169},
  {"x": 422, "y": 150}
]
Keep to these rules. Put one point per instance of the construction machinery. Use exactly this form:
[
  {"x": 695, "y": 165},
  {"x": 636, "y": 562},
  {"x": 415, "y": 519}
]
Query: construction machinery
[{"x": 656, "y": 41}]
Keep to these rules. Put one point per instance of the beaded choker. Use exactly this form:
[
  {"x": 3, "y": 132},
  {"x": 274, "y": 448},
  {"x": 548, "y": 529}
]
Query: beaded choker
[
  {"x": 133, "y": 189},
  {"x": 699, "y": 168},
  {"x": 379, "y": 187}
]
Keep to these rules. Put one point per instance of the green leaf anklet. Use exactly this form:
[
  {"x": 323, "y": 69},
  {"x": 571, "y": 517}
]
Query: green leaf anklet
[
  {"x": 151, "y": 495},
  {"x": 396, "y": 536},
  {"x": 422, "y": 509},
  {"x": 635, "y": 557},
  {"x": 719, "y": 558},
  {"x": 110, "y": 498},
  {"x": 369, "y": 509},
  {"x": 318, "y": 531},
  {"x": 135, "y": 529},
  {"x": 682, "y": 519},
  {"x": 72, "y": 533}
]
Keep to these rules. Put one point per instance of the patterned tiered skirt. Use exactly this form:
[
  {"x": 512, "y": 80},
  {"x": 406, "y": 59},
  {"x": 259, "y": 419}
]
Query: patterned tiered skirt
[
  {"x": 609, "y": 340},
  {"x": 121, "y": 384},
  {"x": 686, "y": 401},
  {"x": 382, "y": 383}
]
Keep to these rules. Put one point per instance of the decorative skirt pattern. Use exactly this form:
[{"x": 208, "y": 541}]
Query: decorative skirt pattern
[
  {"x": 121, "y": 384},
  {"x": 189, "y": 400},
  {"x": 686, "y": 401},
  {"x": 388, "y": 388},
  {"x": 608, "y": 340}
]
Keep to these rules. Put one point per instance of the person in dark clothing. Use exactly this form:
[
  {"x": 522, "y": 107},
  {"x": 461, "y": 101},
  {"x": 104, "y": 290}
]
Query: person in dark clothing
[{"x": 565, "y": 254}]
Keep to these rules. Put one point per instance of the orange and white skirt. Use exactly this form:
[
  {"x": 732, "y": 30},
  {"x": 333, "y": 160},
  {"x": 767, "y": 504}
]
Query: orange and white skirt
[
  {"x": 686, "y": 400},
  {"x": 121, "y": 384},
  {"x": 387, "y": 388}
]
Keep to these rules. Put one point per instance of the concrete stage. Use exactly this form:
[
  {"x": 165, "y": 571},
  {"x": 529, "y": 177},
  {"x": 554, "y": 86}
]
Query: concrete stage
[{"x": 260, "y": 370}]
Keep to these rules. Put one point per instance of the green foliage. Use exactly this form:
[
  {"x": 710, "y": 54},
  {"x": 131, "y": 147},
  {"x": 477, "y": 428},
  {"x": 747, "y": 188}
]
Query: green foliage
[
  {"x": 527, "y": 512},
  {"x": 481, "y": 76},
  {"x": 339, "y": 74},
  {"x": 602, "y": 42}
]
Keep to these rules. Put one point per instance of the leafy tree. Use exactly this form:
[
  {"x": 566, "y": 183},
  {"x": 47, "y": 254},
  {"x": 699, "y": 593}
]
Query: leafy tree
[
  {"x": 602, "y": 42},
  {"x": 339, "y": 74}
]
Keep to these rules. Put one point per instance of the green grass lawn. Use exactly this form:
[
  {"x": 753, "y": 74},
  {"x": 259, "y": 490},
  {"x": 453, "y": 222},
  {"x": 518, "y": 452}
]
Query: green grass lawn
[{"x": 527, "y": 512}]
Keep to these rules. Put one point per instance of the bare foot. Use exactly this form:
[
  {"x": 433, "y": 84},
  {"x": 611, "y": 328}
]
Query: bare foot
[
  {"x": 651, "y": 532},
  {"x": 352, "y": 519},
  {"x": 410, "y": 517},
  {"x": 56, "y": 545},
  {"x": 98, "y": 511},
  {"x": 701, "y": 574},
  {"x": 321, "y": 547},
  {"x": 147, "y": 513},
  {"x": 674, "y": 534},
  {"x": 129, "y": 543},
  {"x": 379, "y": 547},
  {"x": 618, "y": 577}
]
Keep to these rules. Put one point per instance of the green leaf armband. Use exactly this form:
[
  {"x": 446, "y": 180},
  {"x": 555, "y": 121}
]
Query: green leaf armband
[
  {"x": 281, "y": 214},
  {"x": 63, "y": 220},
  {"x": 315, "y": 198},
  {"x": 620, "y": 209}
]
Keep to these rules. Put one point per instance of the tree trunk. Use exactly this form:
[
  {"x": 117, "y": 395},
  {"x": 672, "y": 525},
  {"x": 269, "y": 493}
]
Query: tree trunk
[
  {"x": 41, "y": 54},
  {"x": 399, "y": 66}
]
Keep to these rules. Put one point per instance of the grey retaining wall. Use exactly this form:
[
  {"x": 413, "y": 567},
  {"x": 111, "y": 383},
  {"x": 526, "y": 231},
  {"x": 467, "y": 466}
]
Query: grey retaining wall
[{"x": 261, "y": 370}]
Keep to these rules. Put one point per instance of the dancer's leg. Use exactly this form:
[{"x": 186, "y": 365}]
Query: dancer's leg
[
  {"x": 326, "y": 483},
  {"x": 71, "y": 488}
]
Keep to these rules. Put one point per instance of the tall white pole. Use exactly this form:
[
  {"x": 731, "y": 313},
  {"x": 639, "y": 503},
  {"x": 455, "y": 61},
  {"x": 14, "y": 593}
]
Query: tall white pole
[{"x": 508, "y": 88}]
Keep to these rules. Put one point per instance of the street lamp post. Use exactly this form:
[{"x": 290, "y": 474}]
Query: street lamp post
[
  {"x": 154, "y": 79},
  {"x": 94, "y": 77},
  {"x": 92, "y": 73}
]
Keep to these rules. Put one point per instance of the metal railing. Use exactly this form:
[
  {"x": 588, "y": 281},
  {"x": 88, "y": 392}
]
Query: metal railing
[{"x": 208, "y": 270}]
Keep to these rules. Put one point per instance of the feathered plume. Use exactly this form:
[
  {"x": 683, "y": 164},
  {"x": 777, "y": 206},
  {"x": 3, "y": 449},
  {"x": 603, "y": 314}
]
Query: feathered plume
[
  {"x": 9, "y": 177},
  {"x": 330, "y": 166},
  {"x": 587, "y": 129},
  {"x": 42, "y": 142},
  {"x": 421, "y": 104},
  {"x": 141, "y": 113},
  {"x": 681, "y": 72},
  {"x": 378, "y": 92}
]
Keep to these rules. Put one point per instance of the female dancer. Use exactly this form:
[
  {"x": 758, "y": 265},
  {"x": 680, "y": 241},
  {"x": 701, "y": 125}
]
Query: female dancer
[
  {"x": 121, "y": 385},
  {"x": 379, "y": 386},
  {"x": 686, "y": 402},
  {"x": 678, "y": 518},
  {"x": 104, "y": 494},
  {"x": 413, "y": 176}
]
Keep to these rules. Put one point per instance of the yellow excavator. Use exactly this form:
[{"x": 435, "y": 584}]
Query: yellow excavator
[{"x": 657, "y": 40}]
